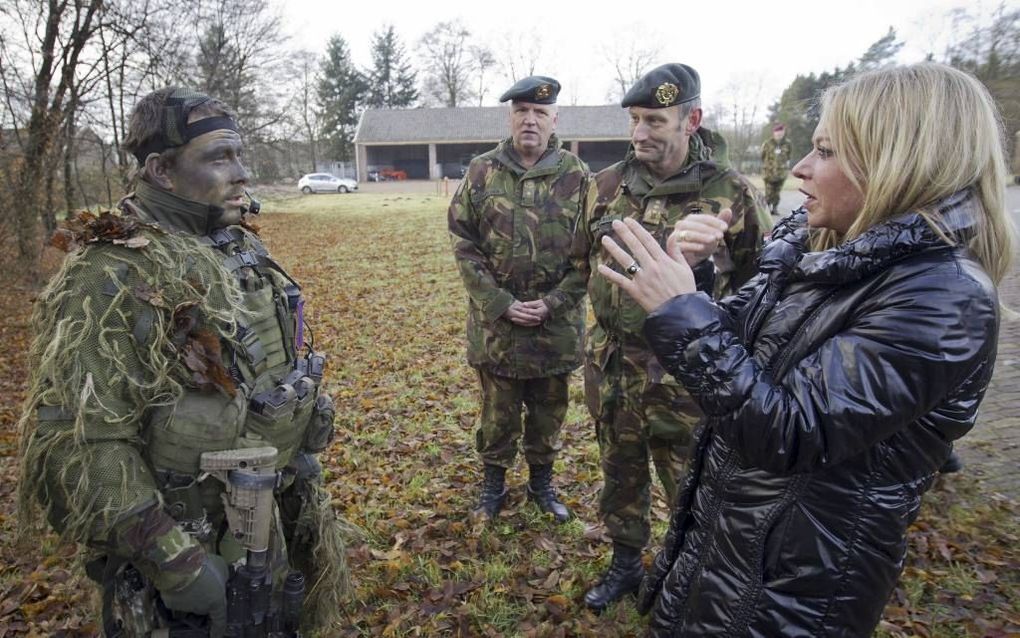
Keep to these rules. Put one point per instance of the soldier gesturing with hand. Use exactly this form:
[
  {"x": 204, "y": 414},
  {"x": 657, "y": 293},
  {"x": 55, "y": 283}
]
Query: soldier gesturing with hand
[{"x": 675, "y": 178}]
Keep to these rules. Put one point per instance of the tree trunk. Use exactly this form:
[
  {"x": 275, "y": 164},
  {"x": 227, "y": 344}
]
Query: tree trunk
[
  {"x": 69, "y": 151},
  {"x": 39, "y": 139},
  {"x": 45, "y": 121},
  {"x": 49, "y": 217}
]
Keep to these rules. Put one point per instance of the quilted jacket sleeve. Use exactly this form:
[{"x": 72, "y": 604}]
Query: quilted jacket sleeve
[{"x": 898, "y": 354}]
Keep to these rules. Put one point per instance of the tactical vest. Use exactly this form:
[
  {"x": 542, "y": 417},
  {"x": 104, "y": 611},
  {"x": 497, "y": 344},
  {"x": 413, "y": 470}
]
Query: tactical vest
[{"x": 277, "y": 401}]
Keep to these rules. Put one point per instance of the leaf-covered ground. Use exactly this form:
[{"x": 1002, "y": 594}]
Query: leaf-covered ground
[{"x": 387, "y": 306}]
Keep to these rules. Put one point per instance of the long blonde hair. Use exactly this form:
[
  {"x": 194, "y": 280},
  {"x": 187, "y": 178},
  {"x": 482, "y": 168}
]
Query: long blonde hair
[{"x": 909, "y": 136}]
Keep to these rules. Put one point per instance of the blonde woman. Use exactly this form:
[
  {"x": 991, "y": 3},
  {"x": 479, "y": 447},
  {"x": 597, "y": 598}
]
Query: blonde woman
[{"x": 836, "y": 381}]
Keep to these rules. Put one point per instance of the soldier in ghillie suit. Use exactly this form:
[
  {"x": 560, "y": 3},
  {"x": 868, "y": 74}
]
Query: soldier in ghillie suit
[
  {"x": 511, "y": 223},
  {"x": 775, "y": 164},
  {"x": 675, "y": 168},
  {"x": 171, "y": 332}
]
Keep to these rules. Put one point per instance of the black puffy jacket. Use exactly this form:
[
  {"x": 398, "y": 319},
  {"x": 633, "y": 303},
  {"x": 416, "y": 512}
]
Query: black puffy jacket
[{"x": 834, "y": 384}]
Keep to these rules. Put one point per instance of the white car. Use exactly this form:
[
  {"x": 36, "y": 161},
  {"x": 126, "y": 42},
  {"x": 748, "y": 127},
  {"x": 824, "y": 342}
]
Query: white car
[{"x": 326, "y": 183}]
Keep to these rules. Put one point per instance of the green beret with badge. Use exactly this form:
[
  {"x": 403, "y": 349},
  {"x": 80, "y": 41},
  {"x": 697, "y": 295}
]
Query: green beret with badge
[
  {"x": 664, "y": 86},
  {"x": 536, "y": 89}
]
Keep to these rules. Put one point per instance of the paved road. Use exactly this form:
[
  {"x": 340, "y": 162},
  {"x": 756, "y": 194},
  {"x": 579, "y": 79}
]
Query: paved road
[{"x": 991, "y": 450}]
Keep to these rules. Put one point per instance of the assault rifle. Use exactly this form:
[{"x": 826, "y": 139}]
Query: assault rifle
[{"x": 253, "y": 611}]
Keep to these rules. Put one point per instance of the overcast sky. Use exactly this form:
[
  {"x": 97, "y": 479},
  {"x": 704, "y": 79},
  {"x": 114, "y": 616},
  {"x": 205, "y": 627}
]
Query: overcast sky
[{"x": 756, "y": 46}]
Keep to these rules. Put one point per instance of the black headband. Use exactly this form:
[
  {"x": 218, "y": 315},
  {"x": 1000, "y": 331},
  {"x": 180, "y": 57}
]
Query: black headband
[
  {"x": 176, "y": 130},
  {"x": 191, "y": 131}
]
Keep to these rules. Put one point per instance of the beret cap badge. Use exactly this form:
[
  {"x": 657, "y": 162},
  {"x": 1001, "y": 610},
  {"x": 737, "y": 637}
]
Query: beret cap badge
[
  {"x": 543, "y": 91},
  {"x": 667, "y": 93}
]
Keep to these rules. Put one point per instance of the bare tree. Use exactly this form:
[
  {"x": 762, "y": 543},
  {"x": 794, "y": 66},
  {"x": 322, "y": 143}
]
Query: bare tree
[
  {"x": 240, "y": 57},
  {"x": 519, "y": 54},
  {"x": 55, "y": 34},
  {"x": 739, "y": 115},
  {"x": 70, "y": 66},
  {"x": 630, "y": 54},
  {"x": 447, "y": 63},
  {"x": 482, "y": 60},
  {"x": 305, "y": 102},
  {"x": 142, "y": 44}
]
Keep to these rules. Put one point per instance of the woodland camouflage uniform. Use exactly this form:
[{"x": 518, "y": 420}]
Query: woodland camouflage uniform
[
  {"x": 640, "y": 410},
  {"x": 512, "y": 229},
  {"x": 775, "y": 164},
  {"x": 158, "y": 340}
]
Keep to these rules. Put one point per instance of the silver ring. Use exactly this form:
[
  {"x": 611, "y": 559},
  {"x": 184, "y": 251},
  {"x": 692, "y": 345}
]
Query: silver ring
[
  {"x": 683, "y": 236},
  {"x": 634, "y": 268}
]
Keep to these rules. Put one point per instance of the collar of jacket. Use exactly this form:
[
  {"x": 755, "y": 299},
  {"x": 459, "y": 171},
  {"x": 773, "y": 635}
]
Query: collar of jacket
[
  {"x": 173, "y": 212},
  {"x": 706, "y": 157},
  {"x": 904, "y": 235},
  {"x": 547, "y": 164}
]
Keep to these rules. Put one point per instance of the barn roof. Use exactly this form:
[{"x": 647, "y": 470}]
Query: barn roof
[{"x": 483, "y": 124}]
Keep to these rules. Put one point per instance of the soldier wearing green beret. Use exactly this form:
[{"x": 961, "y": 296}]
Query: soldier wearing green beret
[
  {"x": 170, "y": 376},
  {"x": 675, "y": 168},
  {"x": 511, "y": 222},
  {"x": 775, "y": 164}
]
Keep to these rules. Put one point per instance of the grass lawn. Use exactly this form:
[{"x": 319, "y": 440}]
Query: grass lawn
[{"x": 386, "y": 305}]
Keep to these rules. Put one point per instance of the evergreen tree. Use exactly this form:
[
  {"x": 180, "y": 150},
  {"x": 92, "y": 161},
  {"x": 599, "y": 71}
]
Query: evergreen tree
[
  {"x": 220, "y": 71},
  {"x": 341, "y": 92},
  {"x": 881, "y": 52},
  {"x": 991, "y": 53},
  {"x": 391, "y": 81},
  {"x": 798, "y": 106}
]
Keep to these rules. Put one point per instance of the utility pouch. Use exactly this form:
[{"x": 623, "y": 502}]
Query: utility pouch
[
  {"x": 199, "y": 422},
  {"x": 313, "y": 366},
  {"x": 279, "y": 415},
  {"x": 320, "y": 430},
  {"x": 303, "y": 385},
  {"x": 293, "y": 296},
  {"x": 274, "y": 403}
]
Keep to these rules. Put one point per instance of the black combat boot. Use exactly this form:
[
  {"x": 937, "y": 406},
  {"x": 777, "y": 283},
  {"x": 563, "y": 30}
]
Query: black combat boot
[
  {"x": 953, "y": 464},
  {"x": 623, "y": 577},
  {"x": 541, "y": 492},
  {"x": 493, "y": 494}
]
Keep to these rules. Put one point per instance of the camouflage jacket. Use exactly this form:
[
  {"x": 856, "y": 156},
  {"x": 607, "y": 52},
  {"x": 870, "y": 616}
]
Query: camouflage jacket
[
  {"x": 511, "y": 230},
  {"x": 627, "y": 189},
  {"x": 775, "y": 159}
]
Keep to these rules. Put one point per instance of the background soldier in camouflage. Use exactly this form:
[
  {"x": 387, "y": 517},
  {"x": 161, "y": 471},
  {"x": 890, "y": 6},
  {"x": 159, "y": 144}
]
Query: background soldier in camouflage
[
  {"x": 511, "y": 223},
  {"x": 775, "y": 164},
  {"x": 170, "y": 332},
  {"x": 675, "y": 168}
]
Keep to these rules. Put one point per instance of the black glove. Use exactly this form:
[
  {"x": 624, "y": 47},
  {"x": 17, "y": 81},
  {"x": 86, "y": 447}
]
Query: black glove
[{"x": 205, "y": 596}]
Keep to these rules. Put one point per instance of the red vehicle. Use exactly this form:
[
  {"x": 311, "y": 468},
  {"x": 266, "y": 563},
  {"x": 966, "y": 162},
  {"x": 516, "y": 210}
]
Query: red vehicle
[{"x": 387, "y": 173}]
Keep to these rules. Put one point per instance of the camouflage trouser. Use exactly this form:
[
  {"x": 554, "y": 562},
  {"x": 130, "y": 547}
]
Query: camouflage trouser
[
  {"x": 544, "y": 400},
  {"x": 637, "y": 420},
  {"x": 772, "y": 189}
]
